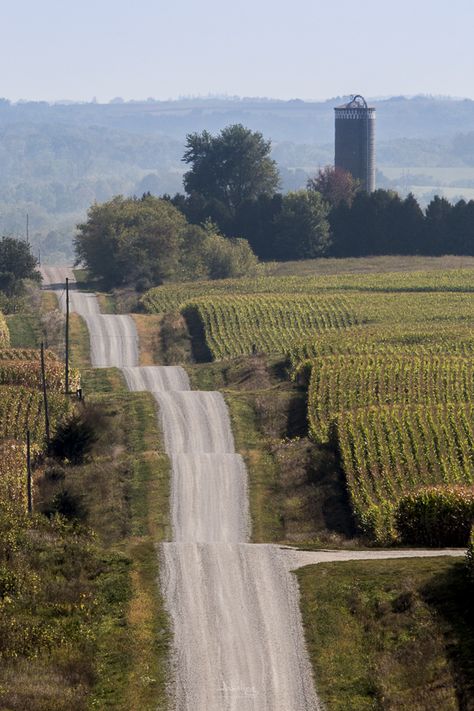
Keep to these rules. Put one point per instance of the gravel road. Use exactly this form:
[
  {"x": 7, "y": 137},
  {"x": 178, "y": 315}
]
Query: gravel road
[
  {"x": 238, "y": 637},
  {"x": 156, "y": 378},
  {"x": 113, "y": 339}
]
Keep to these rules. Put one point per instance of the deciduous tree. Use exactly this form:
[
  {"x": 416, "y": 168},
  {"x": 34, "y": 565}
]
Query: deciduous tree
[
  {"x": 230, "y": 168},
  {"x": 16, "y": 263},
  {"x": 336, "y": 185}
]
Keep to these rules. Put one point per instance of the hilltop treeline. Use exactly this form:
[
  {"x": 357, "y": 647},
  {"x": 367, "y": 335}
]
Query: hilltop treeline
[
  {"x": 302, "y": 224},
  {"x": 233, "y": 181},
  {"x": 232, "y": 211}
]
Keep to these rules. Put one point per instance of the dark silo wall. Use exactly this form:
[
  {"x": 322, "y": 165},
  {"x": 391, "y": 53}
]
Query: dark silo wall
[{"x": 355, "y": 144}]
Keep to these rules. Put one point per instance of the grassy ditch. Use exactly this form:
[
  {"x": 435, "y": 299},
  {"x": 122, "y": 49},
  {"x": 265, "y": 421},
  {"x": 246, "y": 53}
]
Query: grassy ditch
[{"x": 390, "y": 634}]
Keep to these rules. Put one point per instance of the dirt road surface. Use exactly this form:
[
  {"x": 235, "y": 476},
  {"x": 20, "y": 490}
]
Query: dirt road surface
[
  {"x": 238, "y": 638},
  {"x": 113, "y": 339}
]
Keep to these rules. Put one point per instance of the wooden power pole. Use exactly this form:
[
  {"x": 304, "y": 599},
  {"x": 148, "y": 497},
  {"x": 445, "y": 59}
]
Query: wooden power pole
[
  {"x": 67, "y": 338},
  {"x": 45, "y": 395}
]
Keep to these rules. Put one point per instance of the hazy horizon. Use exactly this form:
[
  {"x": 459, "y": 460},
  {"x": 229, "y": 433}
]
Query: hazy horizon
[
  {"x": 228, "y": 97},
  {"x": 308, "y": 50}
]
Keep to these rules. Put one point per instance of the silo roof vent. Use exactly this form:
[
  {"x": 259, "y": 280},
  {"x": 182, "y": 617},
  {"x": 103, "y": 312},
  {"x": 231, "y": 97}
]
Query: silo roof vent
[{"x": 357, "y": 102}]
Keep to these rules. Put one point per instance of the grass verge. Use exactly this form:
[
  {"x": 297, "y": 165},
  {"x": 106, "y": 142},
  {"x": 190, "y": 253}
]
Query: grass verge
[
  {"x": 149, "y": 336},
  {"x": 133, "y": 657},
  {"x": 390, "y": 634}
]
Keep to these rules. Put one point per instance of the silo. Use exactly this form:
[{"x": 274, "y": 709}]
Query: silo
[{"x": 355, "y": 141}]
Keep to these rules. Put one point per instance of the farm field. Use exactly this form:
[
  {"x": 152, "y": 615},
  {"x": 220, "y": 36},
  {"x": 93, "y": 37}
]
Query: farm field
[
  {"x": 387, "y": 359},
  {"x": 21, "y": 397},
  {"x": 381, "y": 264},
  {"x": 389, "y": 451},
  {"x": 394, "y": 337},
  {"x": 240, "y": 325},
  {"x": 233, "y": 325},
  {"x": 174, "y": 296},
  {"x": 342, "y": 383},
  {"x": 23, "y": 367}
]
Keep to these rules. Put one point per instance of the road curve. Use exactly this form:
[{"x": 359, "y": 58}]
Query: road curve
[{"x": 238, "y": 637}]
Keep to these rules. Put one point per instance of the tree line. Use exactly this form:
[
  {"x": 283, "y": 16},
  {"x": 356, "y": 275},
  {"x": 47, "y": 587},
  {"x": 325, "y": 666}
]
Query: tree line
[
  {"x": 233, "y": 181},
  {"x": 232, "y": 213}
]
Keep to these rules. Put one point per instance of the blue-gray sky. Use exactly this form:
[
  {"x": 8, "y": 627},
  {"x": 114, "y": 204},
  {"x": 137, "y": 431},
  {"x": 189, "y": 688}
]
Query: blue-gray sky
[{"x": 310, "y": 49}]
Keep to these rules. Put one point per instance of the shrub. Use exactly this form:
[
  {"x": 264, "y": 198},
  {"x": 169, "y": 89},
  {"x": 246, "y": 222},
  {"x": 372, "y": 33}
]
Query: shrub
[
  {"x": 436, "y": 516},
  {"x": 76, "y": 436},
  {"x": 67, "y": 504}
]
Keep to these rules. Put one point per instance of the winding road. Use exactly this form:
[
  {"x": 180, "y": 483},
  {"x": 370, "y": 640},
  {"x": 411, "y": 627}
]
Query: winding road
[{"x": 238, "y": 637}]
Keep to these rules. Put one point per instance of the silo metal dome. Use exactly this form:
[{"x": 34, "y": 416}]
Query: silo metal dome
[{"x": 355, "y": 140}]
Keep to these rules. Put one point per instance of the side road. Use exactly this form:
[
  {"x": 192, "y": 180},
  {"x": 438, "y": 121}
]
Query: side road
[{"x": 297, "y": 558}]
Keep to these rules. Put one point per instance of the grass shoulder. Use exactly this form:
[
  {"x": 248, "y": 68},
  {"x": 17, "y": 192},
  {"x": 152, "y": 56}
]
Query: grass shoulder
[{"x": 390, "y": 634}]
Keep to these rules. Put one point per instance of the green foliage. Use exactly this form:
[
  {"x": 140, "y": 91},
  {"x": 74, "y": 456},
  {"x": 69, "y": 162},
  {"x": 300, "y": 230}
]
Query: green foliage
[
  {"x": 301, "y": 227},
  {"x": 131, "y": 240},
  {"x": 380, "y": 223},
  {"x": 224, "y": 258},
  {"x": 436, "y": 516},
  {"x": 206, "y": 254},
  {"x": 16, "y": 263},
  {"x": 75, "y": 436},
  {"x": 148, "y": 241},
  {"x": 230, "y": 168}
]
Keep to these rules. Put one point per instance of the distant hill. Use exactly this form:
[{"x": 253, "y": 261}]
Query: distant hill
[{"x": 56, "y": 159}]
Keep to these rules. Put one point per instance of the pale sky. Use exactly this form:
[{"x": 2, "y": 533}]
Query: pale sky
[{"x": 308, "y": 49}]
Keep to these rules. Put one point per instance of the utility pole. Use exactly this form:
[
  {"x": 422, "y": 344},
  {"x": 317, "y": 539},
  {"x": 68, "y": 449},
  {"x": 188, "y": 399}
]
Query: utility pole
[
  {"x": 27, "y": 228},
  {"x": 67, "y": 337},
  {"x": 28, "y": 473},
  {"x": 45, "y": 395}
]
